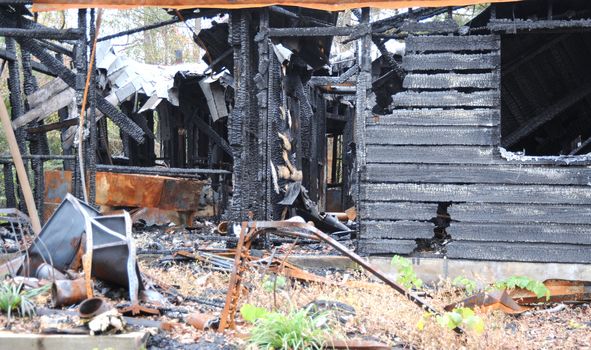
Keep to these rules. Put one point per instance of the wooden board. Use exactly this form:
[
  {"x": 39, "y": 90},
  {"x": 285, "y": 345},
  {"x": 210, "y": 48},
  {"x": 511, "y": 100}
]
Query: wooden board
[
  {"x": 398, "y": 211},
  {"x": 519, "y": 213},
  {"x": 451, "y": 62},
  {"x": 446, "y": 99},
  {"x": 445, "y": 43},
  {"x": 559, "y": 253},
  {"x": 438, "y": 117},
  {"x": 474, "y": 174},
  {"x": 386, "y": 246},
  {"x": 538, "y": 233},
  {"x": 431, "y": 154},
  {"x": 451, "y": 81},
  {"x": 426, "y": 135},
  {"x": 397, "y": 229},
  {"x": 479, "y": 193}
]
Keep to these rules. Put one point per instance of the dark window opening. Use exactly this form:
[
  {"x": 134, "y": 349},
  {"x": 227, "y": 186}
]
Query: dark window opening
[{"x": 546, "y": 93}]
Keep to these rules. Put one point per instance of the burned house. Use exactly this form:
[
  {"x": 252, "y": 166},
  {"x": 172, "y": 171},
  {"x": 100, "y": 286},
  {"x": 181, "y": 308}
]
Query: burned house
[{"x": 473, "y": 144}]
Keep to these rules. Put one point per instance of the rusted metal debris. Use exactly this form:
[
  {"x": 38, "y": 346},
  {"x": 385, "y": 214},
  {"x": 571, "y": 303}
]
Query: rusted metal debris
[
  {"x": 515, "y": 301},
  {"x": 202, "y": 321},
  {"x": 68, "y": 292},
  {"x": 92, "y": 307},
  {"x": 60, "y": 246},
  {"x": 113, "y": 190},
  {"x": 293, "y": 228},
  {"x": 495, "y": 300},
  {"x": 560, "y": 291}
]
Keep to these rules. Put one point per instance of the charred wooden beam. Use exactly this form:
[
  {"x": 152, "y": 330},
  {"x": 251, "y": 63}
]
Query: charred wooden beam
[
  {"x": 56, "y": 48},
  {"x": 361, "y": 101},
  {"x": 397, "y": 20},
  {"x": 546, "y": 115},
  {"x": 285, "y": 12},
  {"x": 16, "y": 104},
  {"x": 92, "y": 93},
  {"x": 52, "y": 126},
  {"x": 160, "y": 171},
  {"x": 211, "y": 133},
  {"x": 41, "y": 33},
  {"x": 128, "y": 126},
  {"x": 312, "y": 31},
  {"x": 38, "y": 67},
  {"x": 141, "y": 29},
  {"x": 512, "y": 26},
  {"x": 580, "y": 148},
  {"x": 69, "y": 77},
  {"x": 349, "y": 73}
]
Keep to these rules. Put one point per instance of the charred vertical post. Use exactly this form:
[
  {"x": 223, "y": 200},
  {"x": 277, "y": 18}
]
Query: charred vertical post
[
  {"x": 63, "y": 114},
  {"x": 243, "y": 124},
  {"x": 261, "y": 79},
  {"x": 361, "y": 105},
  {"x": 92, "y": 143},
  {"x": 16, "y": 104},
  {"x": 80, "y": 64},
  {"x": 38, "y": 143},
  {"x": 9, "y": 186}
]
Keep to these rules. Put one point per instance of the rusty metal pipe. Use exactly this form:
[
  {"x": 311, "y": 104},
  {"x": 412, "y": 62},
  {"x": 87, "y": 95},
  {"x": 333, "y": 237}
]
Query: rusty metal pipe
[
  {"x": 68, "y": 292},
  {"x": 223, "y": 228},
  {"x": 92, "y": 307},
  {"x": 201, "y": 321},
  {"x": 48, "y": 272}
]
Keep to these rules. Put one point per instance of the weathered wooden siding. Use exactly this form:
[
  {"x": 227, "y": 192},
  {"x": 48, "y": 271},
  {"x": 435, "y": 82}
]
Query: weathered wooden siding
[{"x": 440, "y": 145}]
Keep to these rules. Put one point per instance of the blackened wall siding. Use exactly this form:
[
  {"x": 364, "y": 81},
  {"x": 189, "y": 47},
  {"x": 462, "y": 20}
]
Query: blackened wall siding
[{"x": 441, "y": 144}]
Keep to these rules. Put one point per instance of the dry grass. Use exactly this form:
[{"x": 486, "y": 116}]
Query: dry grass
[{"x": 383, "y": 314}]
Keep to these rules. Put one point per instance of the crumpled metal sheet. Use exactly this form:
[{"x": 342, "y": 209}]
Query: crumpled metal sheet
[
  {"x": 495, "y": 300},
  {"x": 515, "y": 301},
  {"x": 60, "y": 238}
]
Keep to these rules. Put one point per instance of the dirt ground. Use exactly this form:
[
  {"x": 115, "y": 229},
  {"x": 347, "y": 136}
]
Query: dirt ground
[{"x": 381, "y": 314}]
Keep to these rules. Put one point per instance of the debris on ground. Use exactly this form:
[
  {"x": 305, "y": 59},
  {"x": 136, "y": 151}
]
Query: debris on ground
[{"x": 180, "y": 286}]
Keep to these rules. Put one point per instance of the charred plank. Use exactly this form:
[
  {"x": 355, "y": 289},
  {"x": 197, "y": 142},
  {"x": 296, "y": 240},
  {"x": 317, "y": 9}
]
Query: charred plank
[
  {"x": 386, "y": 246},
  {"x": 397, "y": 229},
  {"x": 430, "y": 154},
  {"x": 451, "y": 62},
  {"x": 558, "y": 253},
  {"x": 477, "y": 193},
  {"x": 399, "y": 211},
  {"x": 474, "y": 174},
  {"x": 441, "y": 43},
  {"x": 426, "y": 135},
  {"x": 446, "y": 99},
  {"x": 516, "y": 213},
  {"x": 439, "y": 117},
  {"x": 451, "y": 81}
]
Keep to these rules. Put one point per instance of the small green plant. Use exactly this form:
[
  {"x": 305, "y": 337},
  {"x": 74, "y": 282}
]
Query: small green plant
[
  {"x": 251, "y": 313},
  {"x": 296, "y": 330},
  {"x": 470, "y": 286},
  {"x": 523, "y": 282},
  {"x": 14, "y": 298},
  {"x": 273, "y": 283},
  {"x": 406, "y": 274},
  {"x": 462, "y": 317}
]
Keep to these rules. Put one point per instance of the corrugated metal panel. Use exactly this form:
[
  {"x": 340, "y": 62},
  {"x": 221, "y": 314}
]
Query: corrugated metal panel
[{"x": 329, "y": 5}]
